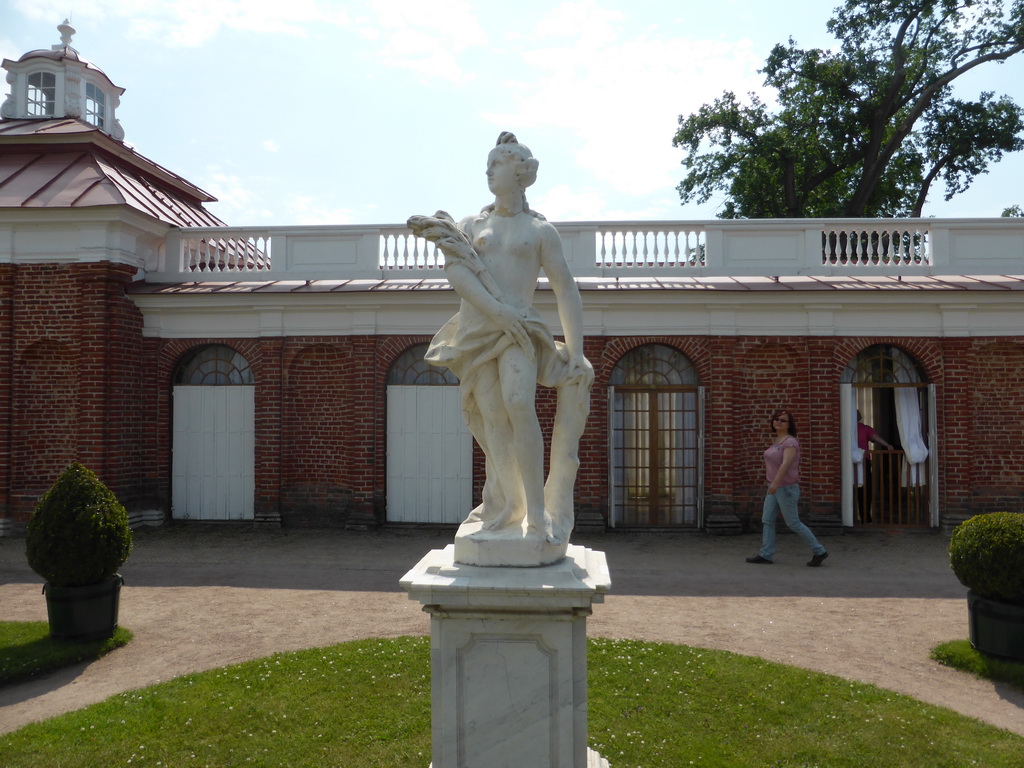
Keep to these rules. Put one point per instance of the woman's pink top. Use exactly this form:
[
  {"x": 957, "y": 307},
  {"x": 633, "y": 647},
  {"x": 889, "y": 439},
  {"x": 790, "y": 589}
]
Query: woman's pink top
[
  {"x": 773, "y": 460},
  {"x": 864, "y": 434}
]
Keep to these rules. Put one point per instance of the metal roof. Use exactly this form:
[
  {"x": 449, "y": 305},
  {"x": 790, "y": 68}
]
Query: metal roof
[
  {"x": 709, "y": 284},
  {"x": 66, "y": 163}
]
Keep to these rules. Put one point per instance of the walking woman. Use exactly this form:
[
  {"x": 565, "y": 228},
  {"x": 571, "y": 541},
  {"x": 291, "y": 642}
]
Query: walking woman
[{"x": 782, "y": 471}]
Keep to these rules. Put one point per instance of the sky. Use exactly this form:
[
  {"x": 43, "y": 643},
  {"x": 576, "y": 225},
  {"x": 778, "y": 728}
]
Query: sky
[{"x": 310, "y": 112}]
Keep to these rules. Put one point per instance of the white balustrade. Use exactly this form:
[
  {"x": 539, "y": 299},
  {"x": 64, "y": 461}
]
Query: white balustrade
[
  {"x": 625, "y": 247},
  {"x": 217, "y": 253},
  {"x": 719, "y": 248},
  {"x": 875, "y": 246},
  {"x": 400, "y": 249}
]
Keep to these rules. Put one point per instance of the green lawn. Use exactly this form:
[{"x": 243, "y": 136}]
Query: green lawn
[
  {"x": 366, "y": 704},
  {"x": 26, "y": 649},
  {"x": 960, "y": 655}
]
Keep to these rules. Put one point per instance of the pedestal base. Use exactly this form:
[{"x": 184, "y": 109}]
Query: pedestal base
[
  {"x": 509, "y": 659},
  {"x": 515, "y": 547},
  {"x": 594, "y": 760}
]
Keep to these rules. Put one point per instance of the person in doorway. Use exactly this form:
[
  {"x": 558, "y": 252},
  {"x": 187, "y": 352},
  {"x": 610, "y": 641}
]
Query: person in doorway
[
  {"x": 782, "y": 471},
  {"x": 866, "y": 434}
]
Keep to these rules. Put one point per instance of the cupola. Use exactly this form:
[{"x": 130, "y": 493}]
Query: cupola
[{"x": 58, "y": 83}]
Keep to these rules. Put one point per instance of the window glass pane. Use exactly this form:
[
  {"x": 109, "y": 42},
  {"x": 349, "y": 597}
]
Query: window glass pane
[
  {"x": 654, "y": 365},
  {"x": 95, "y": 105},
  {"x": 42, "y": 93},
  {"x": 655, "y": 439},
  {"x": 411, "y": 369},
  {"x": 214, "y": 365},
  {"x": 882, "y": 364}
]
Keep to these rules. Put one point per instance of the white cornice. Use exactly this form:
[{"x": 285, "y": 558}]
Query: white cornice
[
  {"x": 117, "y": 234},
  {"x": 662, "y": 312}
]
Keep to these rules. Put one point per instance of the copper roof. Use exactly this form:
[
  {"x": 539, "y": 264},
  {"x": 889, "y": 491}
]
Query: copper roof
[
  {"x": 66, "y": 163},
  {"x": 705, "y": 284},
  {"x": 59, "y": 53}
]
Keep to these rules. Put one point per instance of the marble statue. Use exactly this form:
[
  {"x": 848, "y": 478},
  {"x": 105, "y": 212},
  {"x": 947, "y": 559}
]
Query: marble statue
[{"x": 500, "y": 349}]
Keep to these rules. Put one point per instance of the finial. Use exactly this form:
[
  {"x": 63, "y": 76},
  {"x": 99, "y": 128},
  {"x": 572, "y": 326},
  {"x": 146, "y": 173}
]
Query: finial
[{"x": 66, "y": 31}]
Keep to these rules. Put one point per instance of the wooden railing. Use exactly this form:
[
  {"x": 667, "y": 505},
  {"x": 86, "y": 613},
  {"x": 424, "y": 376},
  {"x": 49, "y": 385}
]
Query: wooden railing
[
  {"x": 764, "y": 247},
  {"x": 886, "y": 499}
]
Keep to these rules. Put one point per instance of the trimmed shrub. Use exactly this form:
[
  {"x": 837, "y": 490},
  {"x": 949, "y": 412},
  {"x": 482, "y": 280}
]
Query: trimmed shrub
[
  {"x": 987, "y": 554},
  {"x": 78, "y": 534}
]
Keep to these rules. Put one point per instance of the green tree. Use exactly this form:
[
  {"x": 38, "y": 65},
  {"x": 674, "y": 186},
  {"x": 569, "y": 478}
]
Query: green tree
[{"x": 864, "y": 129}]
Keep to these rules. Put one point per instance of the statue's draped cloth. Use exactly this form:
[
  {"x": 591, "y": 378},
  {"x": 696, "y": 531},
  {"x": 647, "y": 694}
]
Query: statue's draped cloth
[{"x": 466, "y": 348}]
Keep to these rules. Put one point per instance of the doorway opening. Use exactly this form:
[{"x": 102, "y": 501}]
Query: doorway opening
[{"x": 887, "y": 402}]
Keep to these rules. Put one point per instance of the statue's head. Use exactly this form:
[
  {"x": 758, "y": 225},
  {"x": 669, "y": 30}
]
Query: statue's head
[{"x": 523, "y": 161}]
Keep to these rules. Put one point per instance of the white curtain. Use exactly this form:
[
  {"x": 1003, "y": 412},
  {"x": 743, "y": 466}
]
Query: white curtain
[
  {"x": 908, "y": 421},
  {"x": 857, "y": 452}
]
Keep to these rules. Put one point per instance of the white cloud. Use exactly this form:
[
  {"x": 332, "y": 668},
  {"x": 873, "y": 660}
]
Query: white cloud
[
  {"x": 417, "y": 51},
  {"x": 309, "y": 211},
  {"x": 8, "y": 49},
  {"x": 190, "y": 23},
  {"x": 271, "y": 145},
  {"x": 619, "y": 93},
  {"x": 236, "y": 201},
  {"x": 449, "y": 21},
  {"x": 428, "y": 39},
  {"x": 562, "y": 202},
  {"x": 591, "y": 27},
  {"x": 43, "y": 10}
]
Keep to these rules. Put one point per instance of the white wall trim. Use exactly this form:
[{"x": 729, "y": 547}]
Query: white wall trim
[{"x": 608, "y": 313}]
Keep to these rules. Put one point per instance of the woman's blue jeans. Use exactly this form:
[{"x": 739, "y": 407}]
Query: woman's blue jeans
[{"x": 784, "y": 499}]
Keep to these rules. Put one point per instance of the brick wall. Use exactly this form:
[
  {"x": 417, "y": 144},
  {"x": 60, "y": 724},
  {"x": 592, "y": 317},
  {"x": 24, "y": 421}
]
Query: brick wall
[
  {"x": 78, "y": 381},
  {"x": 317, "y": 421},
  {"x": 331, "y": 428},
  {"x": 986, "y": 422},
  {"x": 6, "y": 386},
  {"x": 70, "y": 343}
]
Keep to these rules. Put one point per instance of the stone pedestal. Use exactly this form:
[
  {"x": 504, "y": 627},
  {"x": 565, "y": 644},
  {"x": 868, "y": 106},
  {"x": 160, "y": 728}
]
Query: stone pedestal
[
  {"x": 509, "y": 659},
  {"x": 514, "y": 546}
]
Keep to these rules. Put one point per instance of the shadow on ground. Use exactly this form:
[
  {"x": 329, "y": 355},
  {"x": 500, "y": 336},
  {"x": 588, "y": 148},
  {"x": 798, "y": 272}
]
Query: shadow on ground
[{"x": 650, "y": 564}]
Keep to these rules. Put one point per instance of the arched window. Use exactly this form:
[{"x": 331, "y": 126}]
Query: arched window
[
  {"x": 654, "y": 365},
  {"x": 214, "y": 365},
  {"x": 882, "y": 364},
  {"x": 411, "y": 369},
  {"x": 655, "y": 433},
  {"x": 42, "y": 94}
]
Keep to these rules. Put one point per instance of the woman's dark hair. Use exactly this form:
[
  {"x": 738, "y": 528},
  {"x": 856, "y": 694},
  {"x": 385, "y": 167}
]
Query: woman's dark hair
[{"x": 783, "y": 412}]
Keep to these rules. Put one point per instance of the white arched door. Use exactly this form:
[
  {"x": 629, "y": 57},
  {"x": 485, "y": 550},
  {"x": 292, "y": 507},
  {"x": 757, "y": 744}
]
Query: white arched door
[
  {"x": 213, "y": 437},
  {"x": 429, "y": 447}
]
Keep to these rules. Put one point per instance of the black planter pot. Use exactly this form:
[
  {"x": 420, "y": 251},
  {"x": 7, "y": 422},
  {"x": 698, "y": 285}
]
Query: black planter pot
[
  {"x": 83, "y": 613},
  {"x": 997, "y": 629}
]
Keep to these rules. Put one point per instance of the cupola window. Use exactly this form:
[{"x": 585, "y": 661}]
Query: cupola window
[
  {"x": 42, "y": 94},
  {"x": 95, "y": 105}
]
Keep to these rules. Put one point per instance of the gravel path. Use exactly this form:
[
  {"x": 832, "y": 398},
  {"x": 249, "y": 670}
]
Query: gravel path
[{"x": 199, "y": 597}]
